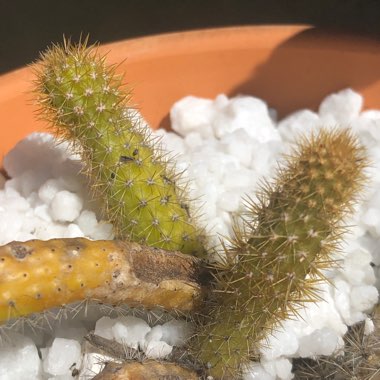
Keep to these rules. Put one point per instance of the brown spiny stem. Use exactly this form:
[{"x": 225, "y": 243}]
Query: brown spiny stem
[{"x": 148, "y": 370}]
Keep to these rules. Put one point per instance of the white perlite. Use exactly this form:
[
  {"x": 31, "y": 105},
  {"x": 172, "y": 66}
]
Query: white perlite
[
  {"x": 19, "y": 358},
  {"x": 226, "y": 146}
]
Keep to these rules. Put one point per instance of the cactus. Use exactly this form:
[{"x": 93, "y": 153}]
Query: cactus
[
  {"x": 84, "y": 100},
  {"x": 39, "y": 275},
  {"x": 277, "y": 260}
]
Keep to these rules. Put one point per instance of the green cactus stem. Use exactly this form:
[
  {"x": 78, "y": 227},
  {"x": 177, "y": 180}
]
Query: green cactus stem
[
  {"x": 277, "y": 259},
  {"x": 86, "y": 104}
]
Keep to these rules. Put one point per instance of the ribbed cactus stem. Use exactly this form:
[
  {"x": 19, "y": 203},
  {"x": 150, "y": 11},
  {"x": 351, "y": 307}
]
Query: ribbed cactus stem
[
  {"x": 38, "y": 275},
  {"x": 84, "y": 100},
  {"x": 279, "y": 258}
]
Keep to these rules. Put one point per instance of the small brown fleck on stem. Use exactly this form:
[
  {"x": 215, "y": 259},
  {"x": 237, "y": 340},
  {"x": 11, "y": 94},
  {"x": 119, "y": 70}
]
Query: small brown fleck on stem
[{"x": 19, "y": 251}]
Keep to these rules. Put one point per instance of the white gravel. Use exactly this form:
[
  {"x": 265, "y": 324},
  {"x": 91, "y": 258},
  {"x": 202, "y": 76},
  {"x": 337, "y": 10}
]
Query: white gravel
[{"x": 226, "y": 146}]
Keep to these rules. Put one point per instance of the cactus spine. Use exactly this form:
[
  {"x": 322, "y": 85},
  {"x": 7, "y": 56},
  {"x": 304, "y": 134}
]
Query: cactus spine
[
  {"x": 84, "y": 100},
  {"x": 275, "y": 264}
]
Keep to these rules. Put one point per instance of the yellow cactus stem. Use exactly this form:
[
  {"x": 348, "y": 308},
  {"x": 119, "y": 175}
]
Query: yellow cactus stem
[
  {"x": 39, "y": 275},
  {"x": 148, "y": 370}
]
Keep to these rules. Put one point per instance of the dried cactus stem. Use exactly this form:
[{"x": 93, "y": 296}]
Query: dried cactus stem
[
  {"x": 148, "y": 370},
  {"x": 39, "y": 275}
]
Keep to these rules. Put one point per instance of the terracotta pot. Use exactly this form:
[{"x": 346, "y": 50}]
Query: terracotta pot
[{"x": 291, "y": 67}]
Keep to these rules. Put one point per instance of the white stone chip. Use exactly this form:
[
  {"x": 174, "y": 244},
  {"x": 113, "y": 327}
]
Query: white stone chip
[
  {"x": 49, "y": 189},
  {"x": 320, "y": 342},
  {"x": 73, "y": 231},
  {"x": 157, "y": 349},
  {"x": 104, "y": 326},
  {"x": 248, "y": 113},
  {"x": 192, "y": 114},
  {"x": 369, "y": 326},
  {"x": 364, "y": 297},
  {"x": 280, "y": 368},
  {"x": 19, "y": 358},
  {"x": 283, "y": 342},
  {"x": 298, "y": 123},
  {"x": 255, "y": 371},
  {"x": 130, "y": 331},
  {"x": 154, "y": 334},
  {"x": 87, "y": 222},
  {"x": 66, "y": 206},
  {"x": 63, "y": 356},
  {"x": 341, "y": 107},
  {"x": 176, "y": 332}
]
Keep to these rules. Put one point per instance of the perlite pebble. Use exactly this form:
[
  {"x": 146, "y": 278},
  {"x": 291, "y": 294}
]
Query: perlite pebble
[
  {"x": 130, "y": 331},
  {"x": 66, "y": 206},
  {"x": 36, "y": 152},
  {"x": 19, "y": 358},
  {"x": 280, "y": 368},
  {"x": 192, "y": 114},
  {"x": 282, "y": 343},
  {"x": 299, "y": 122},
  {"x": 247, "y": 113},
  {"x": 73, "y": 231},
  {"x": 321, "y": 342},
  {"x": 364, "y": 297},
  {"x": 49, "y": 189},
  {"x": 154, "y": 334},
  {"x": 176, "y": 332},
  {"x": 157, "y": 349},
  {"x": 104, "y": 326},
  {"x": 257, "y": 372},
  {"x": 62, "y": 357},
  {"x": 341, "y": 107}
]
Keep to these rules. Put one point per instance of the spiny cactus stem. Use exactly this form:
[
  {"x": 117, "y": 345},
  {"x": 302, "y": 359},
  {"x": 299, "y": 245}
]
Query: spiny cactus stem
[
  {"x": 290, "y": 237},
  {"x": 38, "y": 275},
  {"x": 86, "y": 104}
]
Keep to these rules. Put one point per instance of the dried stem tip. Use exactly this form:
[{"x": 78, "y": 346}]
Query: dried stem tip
[{"x": 148, "y": 370}]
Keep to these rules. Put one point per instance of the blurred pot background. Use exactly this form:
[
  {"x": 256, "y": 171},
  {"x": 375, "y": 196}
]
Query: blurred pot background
[{"x": 27, "y": 27}]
